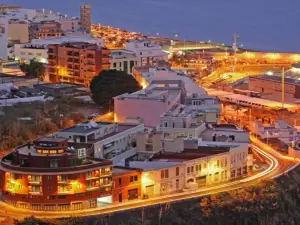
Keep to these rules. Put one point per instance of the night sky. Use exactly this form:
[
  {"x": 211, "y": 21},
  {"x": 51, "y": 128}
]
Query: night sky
[{"x": 262, "y": 24}]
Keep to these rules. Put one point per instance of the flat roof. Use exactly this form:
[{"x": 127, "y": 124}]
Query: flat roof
[
  {"x": 52, "y": 139},
  {"x": 238, "y": 97},
  {"x": 153, "y": 165},
  {"x": 121, "y": 170},
  {"x": 153, "y": 94},
  {"x": 85, "y": 127},
  {"x": 121, "y": 128},
  {"x": 277, "y": 79},
  {"x": 63, "y": 39}
]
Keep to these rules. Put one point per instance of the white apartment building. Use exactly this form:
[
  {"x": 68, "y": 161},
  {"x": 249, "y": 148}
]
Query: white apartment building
[
  {"x": 109, "y": 139},
  {"x": 123, "y": 60},
  {"x": 38, "y": 48},
  {"x": 178, "y": 123},
  {"x": 147, "y": 53},
  {"x": 280, "y": 130},
  {"x": 3, "y": 38},
  {"x": 160, "y": 178},
  {"x": 225, "y": 133}
]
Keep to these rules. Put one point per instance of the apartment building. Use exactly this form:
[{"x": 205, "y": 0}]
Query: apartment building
[
  {"x": 126, "y": 184},
  {"x": 45, "y": 29},
  {"x": 123, "y": 60},
  {"x": 109, "y": 139},
  {"x": 148, "y": 104},
  {"x": 38, "y": 48},
  {"x": 280, "y": 130},
  {"x": 160, "y": 178},
  {"x": 76, "y": 62},
  {"x": 147, "y": 52},
  {"x": 51, "y": 174}
]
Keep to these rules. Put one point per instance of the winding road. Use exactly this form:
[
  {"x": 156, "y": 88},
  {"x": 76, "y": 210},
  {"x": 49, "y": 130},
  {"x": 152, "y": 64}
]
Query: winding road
[{"x": 277, "y": 165}]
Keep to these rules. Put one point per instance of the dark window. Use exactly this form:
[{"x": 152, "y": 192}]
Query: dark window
[
  {"x": 167, "y": 173},
  {"x": 131, "y": 178},
  {"x": 114, "y": 65},
  {"x": 135, "y": 178},
  {"x": 177, "y": 171},
  {"x": 120, "y": 181},
  {"x": 62, "y": 197}
]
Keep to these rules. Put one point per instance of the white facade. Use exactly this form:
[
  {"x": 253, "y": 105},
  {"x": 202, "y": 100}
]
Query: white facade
[
  {"x": 146, "y": 52},
  {"x": 3, "y": 38},
  {"x": 180, "y": 125},
  {"x": 22, "y": 14},
  {"x": 160, "y": 178},
  {"x": 123, "y": 60},
  {"x": 38, "y": 48},
  {"x": 109, "y": 139},
  {"x": 281, "y": 130}
]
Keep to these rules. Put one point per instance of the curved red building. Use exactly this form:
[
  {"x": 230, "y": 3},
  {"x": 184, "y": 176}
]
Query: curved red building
[{"x": 52, "y": 174}]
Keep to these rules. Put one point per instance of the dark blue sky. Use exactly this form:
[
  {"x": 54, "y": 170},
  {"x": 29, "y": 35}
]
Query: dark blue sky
[{"x": 262, "y": 24}]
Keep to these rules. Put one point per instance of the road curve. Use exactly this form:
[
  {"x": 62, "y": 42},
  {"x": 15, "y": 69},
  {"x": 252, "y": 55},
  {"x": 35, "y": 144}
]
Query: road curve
[{"x": 277, "y": 166}]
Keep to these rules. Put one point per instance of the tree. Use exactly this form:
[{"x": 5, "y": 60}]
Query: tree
[
  {"x": 34, "y": 69},
  {"x": 111, "y": 83}
]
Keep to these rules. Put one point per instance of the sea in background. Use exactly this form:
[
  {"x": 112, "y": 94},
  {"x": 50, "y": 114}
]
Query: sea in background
[{"x": 270, "y": 25}]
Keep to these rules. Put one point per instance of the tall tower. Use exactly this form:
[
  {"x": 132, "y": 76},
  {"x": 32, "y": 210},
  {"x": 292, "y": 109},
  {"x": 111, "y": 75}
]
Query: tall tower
[{"x": 85, "y": 17}]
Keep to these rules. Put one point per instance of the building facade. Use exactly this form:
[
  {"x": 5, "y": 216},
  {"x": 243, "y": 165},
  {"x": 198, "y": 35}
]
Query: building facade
[
  {"x": 18, "y": 31},
  {"x": 147, "y": 53},
  {"x": 3, "y": 38},
  {"x": 45, "y": 29},
  {"x": 108, "y": 139},
  {"x": 280, "y": 130},
  {"x": 123, "y": 60},
  {"x": 85, "y": 18},
  {"x": 52, "y": 175},
  {"x": 150, "y": 103},
  {"x": 126, "y": 184},
  {"x": 76, "y": 62},
  {"x": 160, "y": 178},
  {"x": 272, "y": 85},
  {"x": 38, "y": 48}
]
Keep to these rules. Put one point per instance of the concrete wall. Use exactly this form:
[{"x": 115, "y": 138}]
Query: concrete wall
[
  {"x": 149, "y": 110},
  {"x": 18, "y": 32}
]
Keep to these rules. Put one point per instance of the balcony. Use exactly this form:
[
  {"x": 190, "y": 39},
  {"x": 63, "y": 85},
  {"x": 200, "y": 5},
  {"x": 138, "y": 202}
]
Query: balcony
[
  {"x": 34, "y": 181},
  {"x": 92, "y": 188},
  {"x": 50, "y": 50},
  {"x": 63, "y": 181},
  {"x": 92, "y": 178},
  {"x": 90, "y": 63},
  {"x": 35, "y": 193},
  {"x": 89, "y": 56},
  {"x": 106, "y": 184}
]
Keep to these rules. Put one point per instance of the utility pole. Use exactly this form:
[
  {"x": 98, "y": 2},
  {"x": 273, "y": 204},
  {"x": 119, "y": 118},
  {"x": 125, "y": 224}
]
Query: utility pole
[{"x": 282, "y": 89}]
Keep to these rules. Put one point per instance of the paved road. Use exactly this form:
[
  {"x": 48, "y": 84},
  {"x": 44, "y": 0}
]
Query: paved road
[{"x": 278, "y": 165}]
